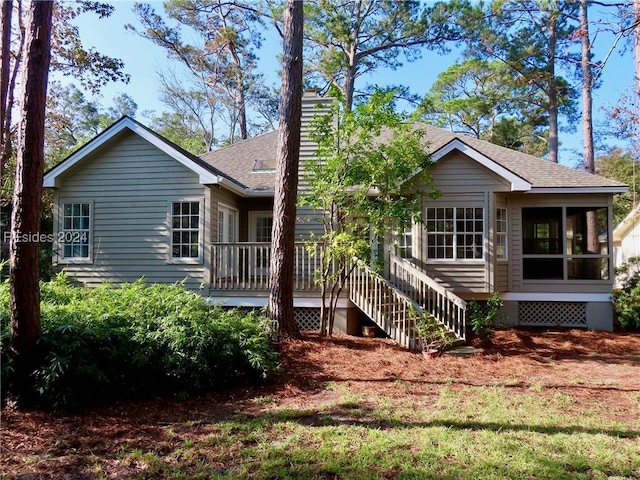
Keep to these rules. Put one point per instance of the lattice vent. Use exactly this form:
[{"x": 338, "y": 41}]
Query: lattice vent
[
  {"x": 308, "y": 318},
  {"x": 562, "y": 314}
]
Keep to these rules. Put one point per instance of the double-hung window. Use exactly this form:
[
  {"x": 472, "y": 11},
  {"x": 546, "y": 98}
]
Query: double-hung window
[
  {"x": 185, "y": 230},
  {"x": 501, "y": 234},
  {"x": 455, "y": 233},
  {"x": 76, "y": 230},
  {"x": 404, "y": 246}
]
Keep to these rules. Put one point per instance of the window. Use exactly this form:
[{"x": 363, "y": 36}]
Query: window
[
  {"x": 185, "y": 230},
  {"x": 501, "y": 234},
  {"x": 404, "y": 247},
  {"x": 565, "y": 243},
  {"x": 263, "y": 226},
  {"x": 227, "y": 224},
  {"x": 455, "y": 233},
  {"x": 76, "y": 229}
]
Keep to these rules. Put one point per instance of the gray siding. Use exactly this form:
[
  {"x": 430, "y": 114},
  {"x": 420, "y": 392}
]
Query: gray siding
[
  {"x": 456, "y": 173},
  {"x": 309, "y": 222},
  {"x": 462, "y": 182},
  {"x": 459, "y": 276},
  {"x": 312, "y": 105},
  {"x": 502, "y": 277},
  {"x": 130, "y": 186}
]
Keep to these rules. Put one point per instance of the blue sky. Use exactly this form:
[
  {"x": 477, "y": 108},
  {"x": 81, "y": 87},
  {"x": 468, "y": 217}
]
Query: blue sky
[{"x": 143, "y": 59}]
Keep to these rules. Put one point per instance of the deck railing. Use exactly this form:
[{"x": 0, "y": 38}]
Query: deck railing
[
  {"x": 446, "y": 307},
  {"x": 245, "y": 266},
  {"x": 391, "y": 304}
]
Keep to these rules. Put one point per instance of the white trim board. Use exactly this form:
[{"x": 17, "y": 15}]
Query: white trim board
[
  {"x": 259, "y": 302},
  {"x": 555, "y": 297}
]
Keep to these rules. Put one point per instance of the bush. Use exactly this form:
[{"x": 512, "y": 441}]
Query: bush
[
  {"x": 136, "y": 341},
  {"x": 432, "y": 335},
  {"x": 626, "y": 300},
  {"x": 485, "y": 316}
]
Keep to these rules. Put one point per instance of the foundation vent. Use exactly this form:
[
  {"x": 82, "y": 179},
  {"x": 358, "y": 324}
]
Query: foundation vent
[
  {"x": 552, "y": 314},
  {"x": 308, "y": 318}
]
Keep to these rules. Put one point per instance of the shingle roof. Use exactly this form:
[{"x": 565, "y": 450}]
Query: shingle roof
[
  {"x": 537, "y": 171},
  {"x": 237, "y": 161}
]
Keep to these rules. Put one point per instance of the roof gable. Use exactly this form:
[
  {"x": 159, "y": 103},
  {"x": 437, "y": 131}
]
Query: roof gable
[
  {"x": 543, "y": 176},
  {"x": 206, "y": 174},
  {"x": 517, "y": 183}
]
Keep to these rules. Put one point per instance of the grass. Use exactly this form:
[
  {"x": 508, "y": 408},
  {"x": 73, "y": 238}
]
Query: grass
[{"x": 471, "y": 432}]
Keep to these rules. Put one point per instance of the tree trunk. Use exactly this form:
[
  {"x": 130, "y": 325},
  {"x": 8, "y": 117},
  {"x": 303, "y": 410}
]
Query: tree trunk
[
  {"x": 553, "y": 89},
  {"x": 240, "y": 95},
  {"x": 242, "y": 107},
  {"x": 284, "y": 204},
  {"x": 636, "y": 52},
  {"x": 587, "y": 89},
  {"x": 5, "y": 70},
  {"x": 593, "y": 243},
  {"x": 349, "y": 86},
  {"x": 27, "y": 200}
]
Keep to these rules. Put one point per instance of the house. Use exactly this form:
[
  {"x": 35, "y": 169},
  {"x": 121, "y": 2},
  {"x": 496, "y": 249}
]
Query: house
[
  {"x": 626, "y": 238},
  {"x": 130, "y": 204}
]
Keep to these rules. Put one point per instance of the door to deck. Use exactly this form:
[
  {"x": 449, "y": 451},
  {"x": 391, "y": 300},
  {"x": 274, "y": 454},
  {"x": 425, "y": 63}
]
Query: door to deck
[
  {"x": 228, "y": 233},
  {"x": 260, "y": 225}
]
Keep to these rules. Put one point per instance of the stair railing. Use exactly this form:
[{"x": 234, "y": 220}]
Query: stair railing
[
  {"x": 446, "y": 307},
  {"x": 388, "y": 307}
]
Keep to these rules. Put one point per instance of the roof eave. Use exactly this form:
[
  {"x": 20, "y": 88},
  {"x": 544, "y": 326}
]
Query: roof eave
[
  {"x": 243, "y": 192},
  {"x": 607, "y": 189}
]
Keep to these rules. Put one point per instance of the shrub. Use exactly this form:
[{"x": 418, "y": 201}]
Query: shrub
[
  {"x": 135, "y": 341},
  {"x": 431, "y": 335},
  {"x": 6, "y": 368},
  {"x": 484, "y": 316},
  {"x": 626, "y": 300}
]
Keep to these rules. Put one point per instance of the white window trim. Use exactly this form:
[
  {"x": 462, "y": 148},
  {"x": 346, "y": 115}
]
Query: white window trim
[
  {"x": 455, "y": 234},
  {"x": 201, "y": 214},
  {"x": 59, "y": 241},
  {"x": 253, "y": 216},
  {"x": 397, "y": 235},
  {"x": 228, "y": 208}
]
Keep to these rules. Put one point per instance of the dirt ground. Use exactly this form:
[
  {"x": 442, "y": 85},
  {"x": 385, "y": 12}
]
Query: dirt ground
[{"x": 589, "y": 366}]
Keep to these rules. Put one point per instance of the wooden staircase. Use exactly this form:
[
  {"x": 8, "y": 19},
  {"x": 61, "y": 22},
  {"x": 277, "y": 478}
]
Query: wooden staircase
[{"x": 394, "y": 305}]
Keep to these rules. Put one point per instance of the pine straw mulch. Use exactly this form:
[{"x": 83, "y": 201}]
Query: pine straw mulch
[{"x": 592, "y": 367}]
